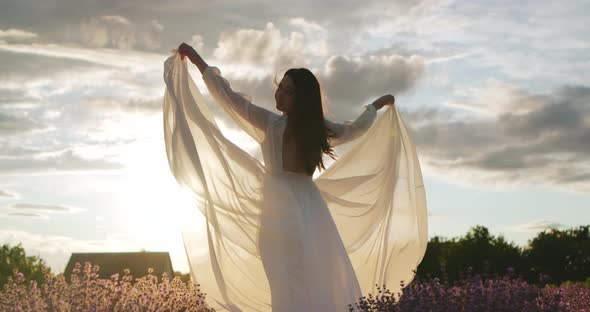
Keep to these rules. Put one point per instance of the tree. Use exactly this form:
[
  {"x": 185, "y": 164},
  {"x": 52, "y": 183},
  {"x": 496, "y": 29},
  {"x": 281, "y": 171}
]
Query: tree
[
  {"x": 14, "y": 258},
  {"x": 559, "y": 255},
  {"x": 482, "y": 252},
  {"x": 435, "y": 259},
  {"x": 478, "y": 249},
  {"x": 551, "y": 257}
]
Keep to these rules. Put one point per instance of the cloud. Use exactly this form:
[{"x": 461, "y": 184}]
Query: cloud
[
  {"x": 42, "y": 211},
  {"x": 17, "y": 98},
  {"x": 157, "y": 25},
  {"x": 131, "y": 60},
  {"x": 106, "y": 82},
  {"x": 5, "y": 193},
  {"x": 75, "y": 107},
  {"x": 26, "y": 214},
  {"x": 16, "y": 34},
  {"x": 545, "y": 144},
  {"x": 316, "y": 37},
  {"x": 15, "y": 151},
  {"x": 107, "y": 31},
  {"x": 62, "y": 23},
  {"x": 438, "y": 216},
  {"x": 503, "y": 44},
  {"x": 540, "y": 225},
  {"x": 447, "y": 58},
  {"x": 26, "y": 86},
  {"x": 65, "y": 161},
  {"x": 307, "y": 26},
  {"x": 46, "y": 208},
  {"x": 81, "y": 94},
  {"x": 10, "y": 124},
  {"x": 349, "y": 83},
  {"x": 115, "y": 19},
  {"x": 117, "y": 32},
  {"x": 261, "y": 47},
  {"x": 197, "y": 42},
  {"x": 517, "y": 133},
  {"x": 71, "y": 74},
  {"x": 125, "y": 105}
]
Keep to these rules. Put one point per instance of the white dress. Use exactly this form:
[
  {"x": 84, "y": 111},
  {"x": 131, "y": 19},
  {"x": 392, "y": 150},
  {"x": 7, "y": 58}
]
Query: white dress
[{"x": 284, "y": 241}]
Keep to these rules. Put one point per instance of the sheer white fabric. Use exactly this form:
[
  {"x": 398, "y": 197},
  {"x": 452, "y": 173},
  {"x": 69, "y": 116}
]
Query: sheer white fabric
[{"x": 285, "y": 241}]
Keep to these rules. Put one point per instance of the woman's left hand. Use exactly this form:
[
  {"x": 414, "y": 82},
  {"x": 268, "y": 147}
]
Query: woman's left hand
[
  {"x": 387, "y": 99},
  {"x": 185, "y": 50}
]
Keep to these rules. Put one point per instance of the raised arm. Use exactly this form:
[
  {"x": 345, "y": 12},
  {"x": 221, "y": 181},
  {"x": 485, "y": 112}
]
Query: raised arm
[
  {"x": 249, "y": 117},
  {"x": 186, "y": 50},
  {"x": 349, "y": 130}
]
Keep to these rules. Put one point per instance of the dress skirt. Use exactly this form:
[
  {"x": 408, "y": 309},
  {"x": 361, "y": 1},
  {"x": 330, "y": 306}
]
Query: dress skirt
[{"x": 306, "y": 263}]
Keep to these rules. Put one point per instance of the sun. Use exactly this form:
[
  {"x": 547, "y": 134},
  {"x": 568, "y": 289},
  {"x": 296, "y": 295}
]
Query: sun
[{"x": 153, "y": 207}]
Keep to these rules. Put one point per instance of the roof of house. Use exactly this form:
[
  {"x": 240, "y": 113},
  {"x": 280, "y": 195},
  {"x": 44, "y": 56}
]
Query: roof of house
[{"x": 116, "y": 262}]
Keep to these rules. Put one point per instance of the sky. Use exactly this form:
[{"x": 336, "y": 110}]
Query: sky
[{"x": 496, "y": 95}]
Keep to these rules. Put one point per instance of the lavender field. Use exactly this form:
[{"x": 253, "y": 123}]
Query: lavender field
[
  {"x": 87, "y": 292},
  {"x": 476, "y": 272}
]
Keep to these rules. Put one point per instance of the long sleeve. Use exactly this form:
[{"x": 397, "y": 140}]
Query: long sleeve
[
  {"x": 251, "y": 118},
  {"x": 350, "y": 130}
]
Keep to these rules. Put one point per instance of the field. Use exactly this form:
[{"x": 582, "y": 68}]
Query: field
[{"x": 87, "y": 292}]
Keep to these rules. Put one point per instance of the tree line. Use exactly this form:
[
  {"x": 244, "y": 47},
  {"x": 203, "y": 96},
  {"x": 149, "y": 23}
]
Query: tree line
[{"x": 552, "y": 257}]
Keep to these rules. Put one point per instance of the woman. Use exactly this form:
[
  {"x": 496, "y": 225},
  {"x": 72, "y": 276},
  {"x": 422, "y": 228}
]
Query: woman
[{"x": 274, "y": 233}]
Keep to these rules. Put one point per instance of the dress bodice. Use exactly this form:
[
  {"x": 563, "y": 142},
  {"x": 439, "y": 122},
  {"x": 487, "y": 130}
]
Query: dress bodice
[{"x": 272, "y": 146}]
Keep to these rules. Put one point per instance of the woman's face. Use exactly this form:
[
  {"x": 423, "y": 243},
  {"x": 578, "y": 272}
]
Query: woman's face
[{"x": 285, "y": 95}]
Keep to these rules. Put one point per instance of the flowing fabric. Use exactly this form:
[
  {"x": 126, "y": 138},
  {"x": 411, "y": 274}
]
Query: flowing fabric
[{"x": 283, "y": 241}]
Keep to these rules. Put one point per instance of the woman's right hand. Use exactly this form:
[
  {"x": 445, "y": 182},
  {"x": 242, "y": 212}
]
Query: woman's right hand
[
  {"x": 387, "y": 99},
  {"x": 185, "y": 50}
]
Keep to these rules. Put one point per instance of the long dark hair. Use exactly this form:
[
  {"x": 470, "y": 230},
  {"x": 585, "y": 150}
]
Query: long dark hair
[{"x": 307, "y": 118}]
